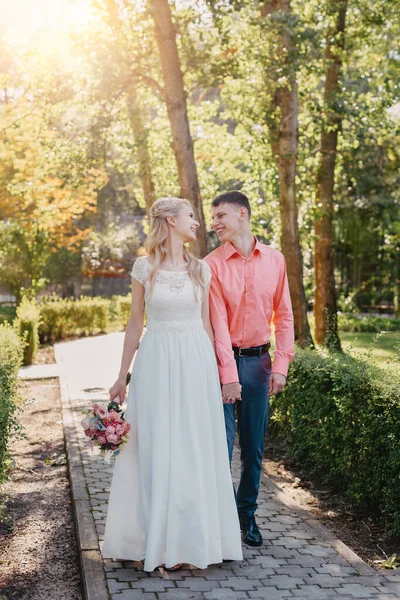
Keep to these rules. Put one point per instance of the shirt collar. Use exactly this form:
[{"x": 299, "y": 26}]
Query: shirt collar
[{"x": 230, "y": 250}]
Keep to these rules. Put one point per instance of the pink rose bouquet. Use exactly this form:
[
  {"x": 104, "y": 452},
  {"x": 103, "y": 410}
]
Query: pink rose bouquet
[{"x": 106, "y": 428}]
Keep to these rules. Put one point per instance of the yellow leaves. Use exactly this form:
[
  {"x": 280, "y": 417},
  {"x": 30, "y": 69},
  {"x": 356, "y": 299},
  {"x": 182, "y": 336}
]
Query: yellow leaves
[{"x": 37, "y": 189}]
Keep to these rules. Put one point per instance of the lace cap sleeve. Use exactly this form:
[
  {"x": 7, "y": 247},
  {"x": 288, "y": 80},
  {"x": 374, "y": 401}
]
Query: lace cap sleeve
[
  {"x": 206, "y": 271},
  {"x": 140, "y": 269}
]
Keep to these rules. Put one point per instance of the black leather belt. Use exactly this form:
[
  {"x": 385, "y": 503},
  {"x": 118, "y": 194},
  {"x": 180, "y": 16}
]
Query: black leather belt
[{"x": 254, "y": 351}]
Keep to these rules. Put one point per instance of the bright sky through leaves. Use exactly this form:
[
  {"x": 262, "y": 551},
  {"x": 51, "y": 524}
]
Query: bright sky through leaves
[{"x": 43, "y": 24}]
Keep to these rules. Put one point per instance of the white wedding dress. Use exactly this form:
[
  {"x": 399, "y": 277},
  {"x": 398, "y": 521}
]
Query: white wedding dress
[{"x": 172, "y": 498}]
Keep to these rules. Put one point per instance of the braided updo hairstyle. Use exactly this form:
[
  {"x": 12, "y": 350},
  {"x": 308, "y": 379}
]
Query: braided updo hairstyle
[{"x": 155, "y": 243}]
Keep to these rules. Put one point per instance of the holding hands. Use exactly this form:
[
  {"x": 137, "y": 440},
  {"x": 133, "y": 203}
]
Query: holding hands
[{"x": 231, "y": 392}]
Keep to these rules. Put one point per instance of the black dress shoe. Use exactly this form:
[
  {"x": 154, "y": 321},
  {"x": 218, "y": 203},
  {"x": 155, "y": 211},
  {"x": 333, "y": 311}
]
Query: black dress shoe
[{"x": 250, "y": 533}]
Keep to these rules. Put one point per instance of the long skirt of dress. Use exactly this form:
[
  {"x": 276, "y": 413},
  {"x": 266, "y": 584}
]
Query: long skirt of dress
[{"x": 172, "y": 498}]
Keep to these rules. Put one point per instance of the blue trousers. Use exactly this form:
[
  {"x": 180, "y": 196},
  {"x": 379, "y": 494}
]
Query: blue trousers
[{"x": 252, "y": 419}]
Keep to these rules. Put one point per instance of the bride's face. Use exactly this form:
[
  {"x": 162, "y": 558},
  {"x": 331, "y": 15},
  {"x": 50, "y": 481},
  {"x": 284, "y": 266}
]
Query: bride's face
[{"x": 185, "y": 225}]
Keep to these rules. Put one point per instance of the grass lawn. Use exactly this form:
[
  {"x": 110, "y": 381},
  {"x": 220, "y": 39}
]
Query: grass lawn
[
  {"x": 382, "y": 349},
  {"x": 7, "y": 313}
]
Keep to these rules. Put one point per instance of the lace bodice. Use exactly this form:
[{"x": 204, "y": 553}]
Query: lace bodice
[{"x": 172, "y": 303}]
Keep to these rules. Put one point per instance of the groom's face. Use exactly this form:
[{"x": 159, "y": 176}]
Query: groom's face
[{"x": 226, "y": 221}]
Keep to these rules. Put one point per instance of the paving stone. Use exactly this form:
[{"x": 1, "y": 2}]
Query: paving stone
[
  {"x": 283, "y": 582},
  {"x": 199, "y": 584},
  {"x": 126, "y": 574},
  {"x": 289, "y": 542},
  {"x": 135, "y": 595},
  {"x": 337, "y": 570},
  {"x": 271, "y": 594},
  {"x": 302, "y": 560},
  {"x": 309, "y": 592},
  {"x": 241, "y": 583},
  {"x": 319, "y": 551},
  {"x": 183, "y": 594},
  {"x": 253, "y": 571},
  {"x": 296, "y": 571},
  {"x": 225, "y": 594},
  {"x": 269, "y": 561},
  {"x": 324, "y": 580},
  {"x": 115, "y": 586},
  {"x": 279, "y": 552},
  {"x": 301, "y": 534},
  {"x": 390, "y": 588},
  {"x": 152, "y": 585},
  {"x": 357, "y": 591}
]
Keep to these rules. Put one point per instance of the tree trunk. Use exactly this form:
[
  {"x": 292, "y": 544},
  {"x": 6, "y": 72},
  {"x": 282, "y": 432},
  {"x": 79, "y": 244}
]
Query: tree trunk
[
  {"x": 135, "y": 119},
  {"x": 325, "y": 310},
  {"x": 142, "y": 149},
  {"x": 285, "y": 150},
  {"x": 175, "y": 98}
]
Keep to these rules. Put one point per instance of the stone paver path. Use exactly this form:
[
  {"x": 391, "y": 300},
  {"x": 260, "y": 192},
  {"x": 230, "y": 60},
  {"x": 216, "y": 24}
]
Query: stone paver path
[{"x": 294, "y": 561}]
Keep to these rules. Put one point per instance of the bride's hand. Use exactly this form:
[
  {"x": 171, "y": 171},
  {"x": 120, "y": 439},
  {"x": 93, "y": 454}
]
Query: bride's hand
[{"x": 118, "y": 390}]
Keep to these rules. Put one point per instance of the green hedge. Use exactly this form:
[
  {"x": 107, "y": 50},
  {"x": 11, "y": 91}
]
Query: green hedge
[
  {"x": 340, "y": 417},
  {"x": 351, "y": 323},
  {"x": 26, "y": 325},
  {"x": 61, "y": 319},
  {"x": 123, "y": 309},
  {"x": 11, "y": 354}
]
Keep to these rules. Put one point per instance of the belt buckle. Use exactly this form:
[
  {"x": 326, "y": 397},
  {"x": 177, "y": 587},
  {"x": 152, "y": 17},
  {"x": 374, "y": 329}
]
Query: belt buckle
[{"x": 240, "y": 352}]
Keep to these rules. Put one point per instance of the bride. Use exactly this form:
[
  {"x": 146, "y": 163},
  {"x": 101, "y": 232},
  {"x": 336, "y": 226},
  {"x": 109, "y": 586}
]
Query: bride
[{"x": 172, "y": 499}]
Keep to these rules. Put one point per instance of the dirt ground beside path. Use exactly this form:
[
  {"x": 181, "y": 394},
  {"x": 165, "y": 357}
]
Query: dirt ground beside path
[{"x": 38, "y": 555}]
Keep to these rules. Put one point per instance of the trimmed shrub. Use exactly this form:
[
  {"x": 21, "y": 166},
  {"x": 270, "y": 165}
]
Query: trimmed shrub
[
  {"x": 340, "y": 417},
  {"x": 26, "y": 324},
  {"x": 65, "y": 318},
  {"x": 123, "y": 309},
  {"x": 11, "y": 354}
]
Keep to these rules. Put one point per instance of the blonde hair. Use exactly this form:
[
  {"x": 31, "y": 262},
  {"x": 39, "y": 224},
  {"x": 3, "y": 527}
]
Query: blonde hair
[{"x": 155, "y": 243}]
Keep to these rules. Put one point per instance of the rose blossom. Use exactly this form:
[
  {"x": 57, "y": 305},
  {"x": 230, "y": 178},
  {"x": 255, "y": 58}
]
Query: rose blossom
[
  {"x": 114, "y": 415},
  {"x": 98, "y": 409},
  {"x": 119, "y": 428},
  {"x": 110, "y": 429},
  {"x": 86, "y": 423},
  {"x": 112, "y": 438}
]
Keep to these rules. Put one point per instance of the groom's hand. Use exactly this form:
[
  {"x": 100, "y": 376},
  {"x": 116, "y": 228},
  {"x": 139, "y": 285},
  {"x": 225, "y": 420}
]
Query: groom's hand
[
  {"x": 277, "y": 383},
  {"x": 231, "y": 392}
]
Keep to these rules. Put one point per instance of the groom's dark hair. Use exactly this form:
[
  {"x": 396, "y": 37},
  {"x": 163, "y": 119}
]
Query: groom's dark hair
[{"x": 233, "y": 197}]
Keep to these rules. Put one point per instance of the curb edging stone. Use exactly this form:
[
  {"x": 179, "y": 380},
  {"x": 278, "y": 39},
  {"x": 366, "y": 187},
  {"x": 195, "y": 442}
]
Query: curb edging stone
[{"x": 92, "y": 570}]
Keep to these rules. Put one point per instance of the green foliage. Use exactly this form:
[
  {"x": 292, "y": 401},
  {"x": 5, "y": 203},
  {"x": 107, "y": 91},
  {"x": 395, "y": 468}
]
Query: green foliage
[
  {"x": 122, "y": 309},
  {"x": 340, "y": 417},
  {"x": 61, "y": 319},
  {"x": 111, "y": 250},
  {"x": 26, "y": 325},
  {"x": 11, "y": 354},
  {"x": 7, "y": 313},
  {"x": 23, "y": 256}
]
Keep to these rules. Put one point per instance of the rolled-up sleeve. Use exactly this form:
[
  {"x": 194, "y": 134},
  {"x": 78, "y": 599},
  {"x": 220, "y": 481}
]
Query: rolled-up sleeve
[
  {"x": 283, "y": 323},
  {"x": 228, "y": 372}
]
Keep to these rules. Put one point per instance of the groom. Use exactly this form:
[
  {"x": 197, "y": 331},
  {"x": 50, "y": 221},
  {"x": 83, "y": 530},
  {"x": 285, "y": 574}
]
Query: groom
[{"x": 249, "y": 290}]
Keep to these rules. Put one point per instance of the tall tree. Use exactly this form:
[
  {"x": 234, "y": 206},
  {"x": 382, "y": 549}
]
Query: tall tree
[
  {"x": 139, "y": 131},
  {"x": 325, "y": 310},
  {"x": 175, "y": 98},
  {"x": 284, "y": 133}
]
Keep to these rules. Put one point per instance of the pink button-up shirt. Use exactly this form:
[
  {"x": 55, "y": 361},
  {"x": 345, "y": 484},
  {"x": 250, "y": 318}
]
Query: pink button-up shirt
[{"x": 246, "y": 295}]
